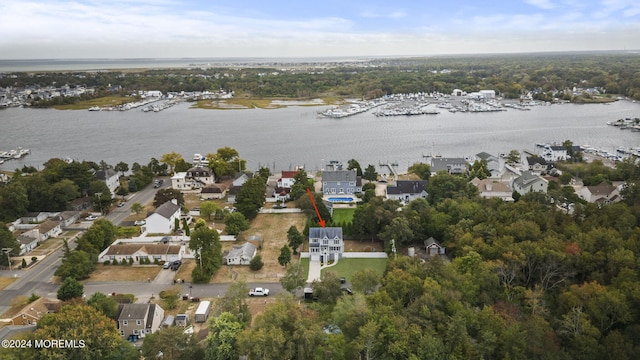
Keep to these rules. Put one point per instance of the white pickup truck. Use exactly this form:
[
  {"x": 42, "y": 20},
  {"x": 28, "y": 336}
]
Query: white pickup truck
[{"x": 259, "y": 292}]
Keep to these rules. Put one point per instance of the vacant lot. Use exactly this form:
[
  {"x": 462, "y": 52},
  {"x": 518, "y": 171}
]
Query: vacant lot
[
  {"x": 5, "y": 281},
  {"x": 346, "y": 267},
  {"x": 273, "y": 230},
  {"x": 124, "y": 272}
]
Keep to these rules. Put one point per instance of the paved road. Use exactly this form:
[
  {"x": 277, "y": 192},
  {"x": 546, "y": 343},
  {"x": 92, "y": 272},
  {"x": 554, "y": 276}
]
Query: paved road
[{"x": 144, "y": 196}]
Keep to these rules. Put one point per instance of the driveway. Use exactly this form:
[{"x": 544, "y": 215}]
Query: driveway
[{"x": 165, "y": 276}]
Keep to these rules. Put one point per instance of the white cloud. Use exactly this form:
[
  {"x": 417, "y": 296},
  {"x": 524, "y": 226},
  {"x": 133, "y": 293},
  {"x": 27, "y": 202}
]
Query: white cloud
[{"x": 542, "y": 4}]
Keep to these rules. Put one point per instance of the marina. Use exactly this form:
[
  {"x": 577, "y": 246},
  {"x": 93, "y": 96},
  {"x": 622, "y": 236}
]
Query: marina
[{"x": 13, "y": 154}]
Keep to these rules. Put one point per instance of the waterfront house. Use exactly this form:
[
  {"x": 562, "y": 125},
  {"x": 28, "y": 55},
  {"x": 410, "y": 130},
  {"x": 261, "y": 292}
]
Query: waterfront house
[
  {"x": 488, "y": 188},
  {"x": 341, "y": 182},
  {"x": 528, "y": 182},
  {"x": 537, "y": 165},
  {"x": 602, "y": 194},
  {"x": 137, "y": 320},
  {"x": 325, "y": 243},
  {"x": 494, "y": 164},
  {"x": 407, "y": 190},
  {"x": 199, "y": 176},
  {"x": 450, "y": 165},
  {"x": 162, "y": 221},
  {"x": 110, "y": 178},
  {"x": 138, "y": 252},
  {"x": 240, "y": 254},
  {"x": 286, "y": 180},
  {"x": 236, "y": 186}
]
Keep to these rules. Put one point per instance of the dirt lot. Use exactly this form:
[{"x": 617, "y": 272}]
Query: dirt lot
[
  {"x": 273, "y": 229},
  {"x": 124, "y": 272}
]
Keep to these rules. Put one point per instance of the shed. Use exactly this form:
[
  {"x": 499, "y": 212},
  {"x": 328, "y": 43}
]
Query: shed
[
  {"x": 168, "y": 321},
  {"x": 202, "y": 312},
  {"x": 181, "y": 320}
]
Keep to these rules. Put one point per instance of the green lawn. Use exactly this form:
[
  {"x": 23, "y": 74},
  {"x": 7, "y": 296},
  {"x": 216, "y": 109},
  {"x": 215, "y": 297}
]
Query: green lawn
[
  {"x": 343, "y": 215},
  {"x": 305, "y": 263},
  {"x": 346, "y": 267}
]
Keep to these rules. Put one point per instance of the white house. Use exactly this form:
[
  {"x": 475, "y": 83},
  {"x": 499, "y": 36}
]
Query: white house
[
  {"x": 179, "y": 181},
  {"x": 199, "y": 176},
  {"x": 49, "y": 229},
  {"x": 450, "y": 165},
  {"x": 110, "y": 178},
  {"x": 137, "y": 252},
  {"x": 240, "y": 254},
  {"x": 28, "y": 241},
  {"x": 162, "y": 221},
  {"x": 325, "y": 243},
  {"x": 286, "y": 180}
]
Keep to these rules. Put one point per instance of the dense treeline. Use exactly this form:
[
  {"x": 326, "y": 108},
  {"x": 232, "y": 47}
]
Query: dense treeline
[{"x": 509, "y": 75}]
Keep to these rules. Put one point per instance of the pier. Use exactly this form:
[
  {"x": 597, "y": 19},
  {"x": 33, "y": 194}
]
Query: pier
[{"x": 392, "y": 168}]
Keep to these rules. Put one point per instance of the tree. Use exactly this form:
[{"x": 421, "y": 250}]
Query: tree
[
  {"x": 304, "y": 204},
  {"x": 205, "y": 243},
  {"x": 513, "y": 157},
  {"x": 354, "y": 164},
  {"x": 8, "y": 245},
  {"x": 256, "y": 263},
  {"x": 480, "y": 170},
  {"x": 223, "y": 334},
  {"x": 295, "y": 238},
  {"x": 70, "y": 289},
  {"x": 100, "y": 195},
  {"x": 235, "y": 223},
  {"x": 328, "y": 288},
  {"x": 137, "y": 208},
  {"x": 171, "y": 159},
  {"x": 168, "y": 194},
  {"x": 208, "y": 208},
  {"x": 122, "y": 167},
  {"x": 172, "y": 343},
  {"x": 285, "y": 255},
  {"x": 370, "y": 173},
  {"x": 421, "y": 169},
  {"x": 365, "y": 281},
  {"x": 295, "y": 278},
  {"x": 300, "y": 185},
  {"x": 251, "y": 197},
  {"x": 285, "y": 330},
  {"x": 399, "y": 230},
  {"x": 107, "y": 305},
  {"x": 234, "y": 302},
  {"x": 226, "y": 162},
  {"x": 95, "y": 336},
  {"x": 77, "y": 265},
  {"x": 445, "y": 186}
]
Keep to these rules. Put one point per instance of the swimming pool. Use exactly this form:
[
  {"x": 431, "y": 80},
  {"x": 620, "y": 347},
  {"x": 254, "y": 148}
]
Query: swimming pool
[{"x": 340, "y": 199}]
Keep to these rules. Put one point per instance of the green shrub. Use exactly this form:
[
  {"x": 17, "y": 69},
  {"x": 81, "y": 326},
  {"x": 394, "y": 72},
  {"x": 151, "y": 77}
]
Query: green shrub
[
  {"x": 107, "y": 262},
  {"x": 256, "y": 263}
]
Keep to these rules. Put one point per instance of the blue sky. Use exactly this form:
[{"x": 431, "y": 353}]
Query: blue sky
[{"x": 168, "y": 28}]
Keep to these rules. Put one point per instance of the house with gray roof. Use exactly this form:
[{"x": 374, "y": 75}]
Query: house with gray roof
[
  {"x": 200, "y": 176},
  {"x": 110, "y": 178},
  {"x": 494, "y": 164},
  {"x": 135, "y": 321},
  {"x": 450, "y": 165},
  {"x": 528, "y": 182},
  {"x": 488, "y": 188},
  {"x": 341, "y": 182},
  {"x": 325, "y": 243},
  {"x": 240, "y": 254},
  {"x": 137, "y": 252},
  {"x": 163, "y": 219},
  {"x": 407, "y": 190},
  {"x": 604, "y": 193}
]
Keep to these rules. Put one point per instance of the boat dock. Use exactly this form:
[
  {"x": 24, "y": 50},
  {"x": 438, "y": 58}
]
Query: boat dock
[{"x": 392, "y": 168}]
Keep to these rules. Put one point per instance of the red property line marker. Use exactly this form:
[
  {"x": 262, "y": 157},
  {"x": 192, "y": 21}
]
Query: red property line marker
[{"x": 313, "y": 202}]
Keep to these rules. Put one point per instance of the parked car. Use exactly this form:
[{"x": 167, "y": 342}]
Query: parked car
[
  {"x": 120, "y": 204},
  {"x": 166, "y": 265},
  {"x": 348, "y": 291},
  {"x": 91, "y": 217},
  {"x": 140, "y": 222},
  {"x": 165, "y": 239},
  {"x": 259, "y": 292},
  {"x": 176, "y": 265}
]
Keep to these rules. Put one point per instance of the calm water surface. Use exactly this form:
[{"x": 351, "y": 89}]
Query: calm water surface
[{"x": 296, "y": 136}]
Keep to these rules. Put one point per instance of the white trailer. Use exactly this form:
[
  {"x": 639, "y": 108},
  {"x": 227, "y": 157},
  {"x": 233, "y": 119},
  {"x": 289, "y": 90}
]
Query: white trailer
[{"x": 202, "y": 312}]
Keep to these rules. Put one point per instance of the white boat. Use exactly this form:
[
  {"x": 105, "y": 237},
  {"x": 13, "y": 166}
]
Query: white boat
[{"x": 95, "y": 108}]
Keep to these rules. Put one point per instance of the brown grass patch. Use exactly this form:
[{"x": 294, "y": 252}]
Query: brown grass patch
[
  {"x": 6, "y": 281},
  {"x": 185, "y": 269},
  {"x": 273, "y": 229},
  {"x": 124, "y": 272}
]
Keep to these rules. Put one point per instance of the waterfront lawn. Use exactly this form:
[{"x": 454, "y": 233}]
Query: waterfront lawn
[
  {"x": 343, "y": 215},
  {"x": 346, "y": 267},
  {"x": 101, "y": 102}
]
